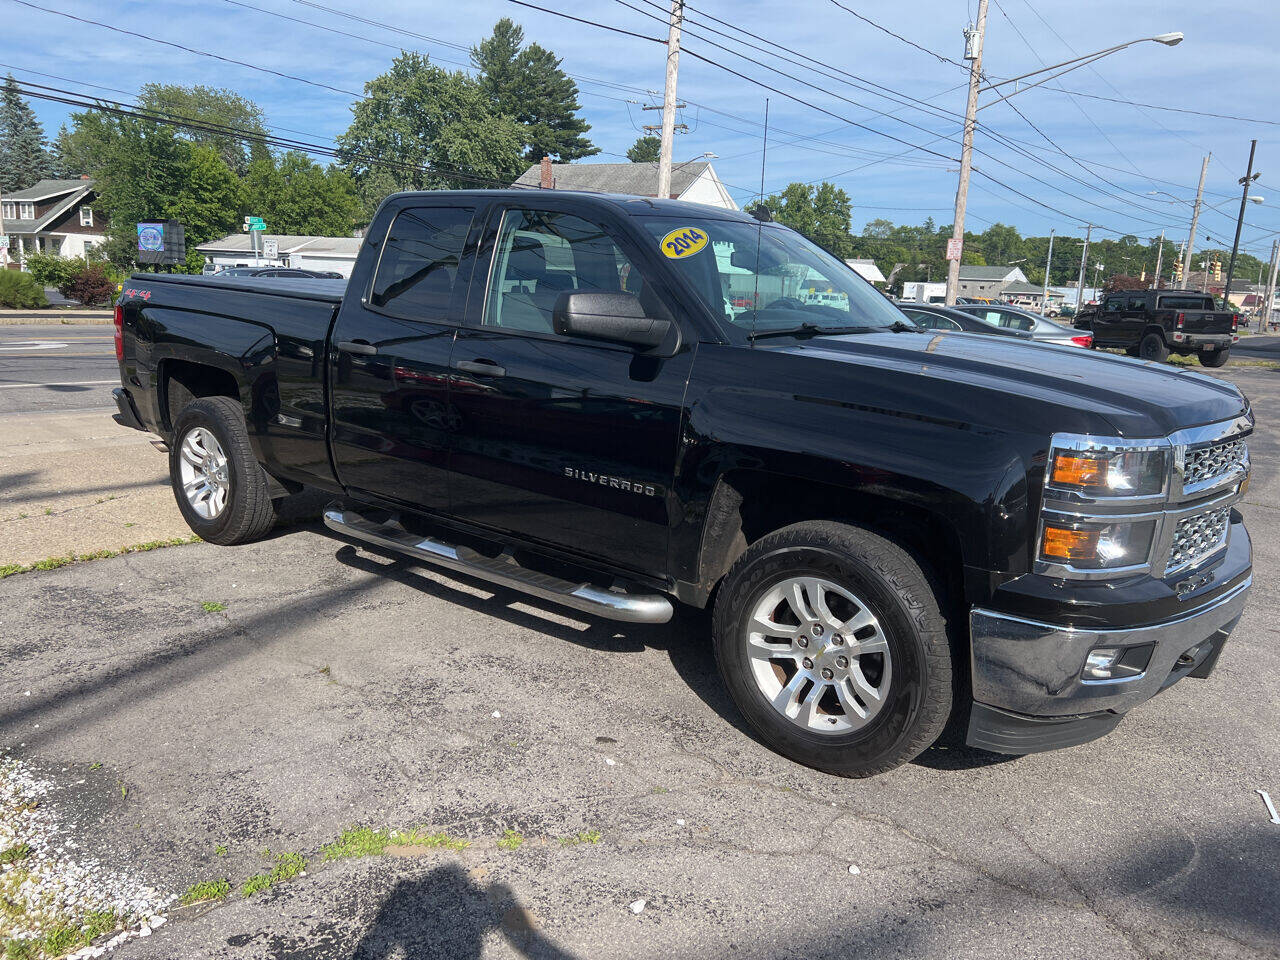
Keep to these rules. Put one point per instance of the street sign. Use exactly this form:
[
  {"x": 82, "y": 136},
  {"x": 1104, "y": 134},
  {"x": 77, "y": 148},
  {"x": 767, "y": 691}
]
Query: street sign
[
  {"x": 270, "y": 248},
  {"x": 4, "y": 243},
  {"x": 953, "y": 248}
]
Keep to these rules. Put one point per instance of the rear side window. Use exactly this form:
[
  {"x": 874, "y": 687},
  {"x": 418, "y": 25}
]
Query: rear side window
[{"x": 419, "y": 262}]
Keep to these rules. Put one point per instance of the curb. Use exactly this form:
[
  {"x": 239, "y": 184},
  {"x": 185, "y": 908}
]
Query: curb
[{"x": 15, "y": 318}]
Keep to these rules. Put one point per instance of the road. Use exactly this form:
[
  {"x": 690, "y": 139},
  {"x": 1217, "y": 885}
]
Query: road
[
  {"x": 196, "y": 706},
  {"x": 56, "y": 367},
  {"x": 1258, "y": 347}
]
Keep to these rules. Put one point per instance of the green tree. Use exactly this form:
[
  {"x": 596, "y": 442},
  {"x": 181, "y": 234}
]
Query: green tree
[
  {"x": 297, "y": 195},
  {"x": 209, "y": 201},
  {"x": 24, "y": 158},
  {"x": 820, "y": 213},
  {"x": 645, "y": 150},
  {"x": 430, "y": 129},
  {"x": 214, "y": 107},
  {"x": 526, "y": 83}
]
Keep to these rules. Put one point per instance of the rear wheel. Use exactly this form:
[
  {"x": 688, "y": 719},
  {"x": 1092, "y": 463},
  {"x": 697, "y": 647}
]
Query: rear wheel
[
  {"x": 832, "y": 643},
  {"x": 1215, "y": 358},
  {"x": 220, "y": 487},
  {"x": 1154, "y": 348}
]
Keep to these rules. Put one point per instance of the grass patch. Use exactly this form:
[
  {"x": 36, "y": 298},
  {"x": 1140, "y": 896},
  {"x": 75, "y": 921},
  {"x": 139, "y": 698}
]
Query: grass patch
[
  {"x": 356, "y": 842},
  {"x": 421, "y": 837},
  {"x": 15, "y": 853},
  {"x": 19, "y": 950},
  {"x": 220, "y": 850},
  {"x": 53, "y": 563},
  {"x": 60, "y": 939},
  {"x": 288, "y": 866},
  {"x": 206, "y": 890},
  {"x": 510, "y": 840},
  {"x": 582, "y": 836},
  {"x": 212, "y": 606}
]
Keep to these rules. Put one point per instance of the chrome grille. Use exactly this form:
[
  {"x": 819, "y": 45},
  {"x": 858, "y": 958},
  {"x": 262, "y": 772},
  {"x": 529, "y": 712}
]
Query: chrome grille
[
  {"x": 1197, "y": 537},
  {"x": 1209, "y": 462}
]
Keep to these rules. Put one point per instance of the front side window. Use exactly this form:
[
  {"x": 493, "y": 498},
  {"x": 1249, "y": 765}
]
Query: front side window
[
  {"x": 541, "y": 254},
  {"x": 761, "y": 277},
  {"x": 1114, "y": 305},
  {"x": 419, "y": 262}
]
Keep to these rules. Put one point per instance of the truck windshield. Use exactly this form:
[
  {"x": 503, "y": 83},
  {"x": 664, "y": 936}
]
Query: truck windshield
[
  {"x": 766, "y": 277},
  {"x": 1186, "y": 303}
]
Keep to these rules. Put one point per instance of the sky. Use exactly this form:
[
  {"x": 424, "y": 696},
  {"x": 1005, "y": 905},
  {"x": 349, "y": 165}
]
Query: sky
[{"x": 1068, "y": 159}]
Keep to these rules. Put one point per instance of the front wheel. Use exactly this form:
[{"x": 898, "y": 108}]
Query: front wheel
[
  {"x": 833, "y": 645},
  {"x": 220, "y": 487},
  {"x": 1215, "y": 358}
]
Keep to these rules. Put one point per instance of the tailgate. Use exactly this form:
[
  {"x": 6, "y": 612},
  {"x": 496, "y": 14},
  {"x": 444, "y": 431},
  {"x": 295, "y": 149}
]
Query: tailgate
[{"x": 1207, "y": 321}]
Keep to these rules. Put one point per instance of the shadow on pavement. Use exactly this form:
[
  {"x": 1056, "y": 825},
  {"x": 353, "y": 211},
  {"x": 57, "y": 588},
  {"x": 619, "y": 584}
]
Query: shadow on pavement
[{"x": 446, "y": 914}]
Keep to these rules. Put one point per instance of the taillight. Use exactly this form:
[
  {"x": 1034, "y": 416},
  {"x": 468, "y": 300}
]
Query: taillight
[
  {"x": 119, "y": 318},
  {"x": 1085, "y": 341},
  {"x": 1235, "y": 319},
  {"x": 1181, "y": 318}
]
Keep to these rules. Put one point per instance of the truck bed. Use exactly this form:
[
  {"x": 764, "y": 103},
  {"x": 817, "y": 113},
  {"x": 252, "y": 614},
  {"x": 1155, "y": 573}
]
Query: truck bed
[{"x": 302, "y": 288}]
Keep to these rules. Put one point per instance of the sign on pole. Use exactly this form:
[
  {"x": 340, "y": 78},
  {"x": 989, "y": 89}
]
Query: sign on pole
[
  {"x": 270, "y": 248},
  {"x": 4, "y": 242},
  {"x": 953, "y": 248}
]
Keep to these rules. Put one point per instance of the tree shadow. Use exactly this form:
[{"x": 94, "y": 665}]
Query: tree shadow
[{"x": 446, "y": 914}]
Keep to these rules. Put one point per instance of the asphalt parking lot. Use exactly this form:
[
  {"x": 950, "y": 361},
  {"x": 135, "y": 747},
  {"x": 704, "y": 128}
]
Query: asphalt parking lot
[{"x": 198, "y": 706}]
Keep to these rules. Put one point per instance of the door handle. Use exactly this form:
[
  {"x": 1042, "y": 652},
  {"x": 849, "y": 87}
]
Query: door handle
[
  {"x": 481, "y": 368},
  {"x": 363, "y": 347}
]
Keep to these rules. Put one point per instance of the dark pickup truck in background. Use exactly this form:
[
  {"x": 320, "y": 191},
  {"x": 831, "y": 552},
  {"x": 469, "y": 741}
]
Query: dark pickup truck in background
[
  {"x": 559, "y": 393},
  {"x": 1155, "y": 323}
]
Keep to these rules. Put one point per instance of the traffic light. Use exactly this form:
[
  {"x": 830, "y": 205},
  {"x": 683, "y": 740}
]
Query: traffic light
[
  {"x": 1177, "y": 273},
  {"x": 1217, "y": 271}
]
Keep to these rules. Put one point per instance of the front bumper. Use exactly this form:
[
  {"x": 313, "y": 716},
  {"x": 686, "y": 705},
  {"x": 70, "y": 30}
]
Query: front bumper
[{"x": 1029, "y": 686}]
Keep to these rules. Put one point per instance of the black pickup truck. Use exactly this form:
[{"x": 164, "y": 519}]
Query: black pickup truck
[
  {"x": 1154, "y": 323},
  {"x": 564, "y": 394}
]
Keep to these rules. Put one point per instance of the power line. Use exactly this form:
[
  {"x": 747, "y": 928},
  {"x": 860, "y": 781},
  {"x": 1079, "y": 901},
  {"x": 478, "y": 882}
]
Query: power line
[{"x": 910, "y": 43}]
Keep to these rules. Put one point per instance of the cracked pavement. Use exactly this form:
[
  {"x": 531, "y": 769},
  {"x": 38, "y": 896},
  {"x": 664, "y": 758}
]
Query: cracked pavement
[{"x": 339, "y": 688}]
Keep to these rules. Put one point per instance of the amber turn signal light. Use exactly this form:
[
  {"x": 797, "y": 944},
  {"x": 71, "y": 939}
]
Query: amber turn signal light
[
  {"x": 1067, "y": 545},
  {"x": 1074, "y": 470}
]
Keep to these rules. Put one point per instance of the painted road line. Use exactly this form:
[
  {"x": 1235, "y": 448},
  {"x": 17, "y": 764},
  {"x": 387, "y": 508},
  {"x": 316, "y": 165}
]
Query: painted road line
[
  {"x": 35, "y": 345},
  {"x": 76, "y": 383}
]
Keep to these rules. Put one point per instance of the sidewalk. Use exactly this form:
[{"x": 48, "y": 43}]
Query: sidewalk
[
  {"x": 77, "y": 483},
  {"x": 54, "y": 316}
]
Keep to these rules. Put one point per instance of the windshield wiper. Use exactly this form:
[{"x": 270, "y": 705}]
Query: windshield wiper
[
  {"x": 813, "y": 330},
  {"x": 901, "y": 326}
]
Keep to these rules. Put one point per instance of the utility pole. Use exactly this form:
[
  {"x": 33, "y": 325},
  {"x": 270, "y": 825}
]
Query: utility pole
[
  {"x": 1044, "y": 297},
  {"x": 1084, "y": 262},
  {"x": 1264, "y": 315},
  {"x": 669, "y": 100},
  {"x": 1159, "y": 260},
  {"x": 1195, "y": 218},
  {"x": 4, "y": 253},
  {"x": 1248, "y": 178},
  {"x": 972, "y": 53}
]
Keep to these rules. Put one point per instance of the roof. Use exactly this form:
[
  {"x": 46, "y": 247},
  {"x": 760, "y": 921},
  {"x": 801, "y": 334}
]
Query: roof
[
  {"x": 288, "y": 243},
  {"x": 867, "y": 269},
  {"x": 985, "y": 273},
  {"x": 638, "y": 179},
  {"x": 1027, "y": 288},
  {"x": 48, "y": 188}
]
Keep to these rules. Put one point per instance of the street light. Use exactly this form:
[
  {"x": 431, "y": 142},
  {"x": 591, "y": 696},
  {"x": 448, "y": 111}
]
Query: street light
[{"x": 1167, "y": 39}]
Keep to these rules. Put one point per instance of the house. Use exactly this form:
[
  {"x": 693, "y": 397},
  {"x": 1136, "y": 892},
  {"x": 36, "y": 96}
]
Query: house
[
  {"x": 309, "y": 253},
  {"x": 54, "y": 216},
  {"x": 988, "y": 281},
  {"x": 695, "y": 181},
  {"x": 866, "y": 269}
]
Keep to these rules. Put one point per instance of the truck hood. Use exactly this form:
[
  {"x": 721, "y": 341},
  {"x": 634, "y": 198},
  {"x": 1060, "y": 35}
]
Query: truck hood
[{"x": 1132, "y": 398}]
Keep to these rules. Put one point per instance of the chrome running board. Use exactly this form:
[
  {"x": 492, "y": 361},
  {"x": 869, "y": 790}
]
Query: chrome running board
[{"x": 502, "y": 570}]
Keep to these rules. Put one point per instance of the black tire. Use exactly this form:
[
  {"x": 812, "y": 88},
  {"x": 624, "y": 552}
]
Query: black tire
[
  {"x": 248, "y": 513},
  {"x": 1215, "y": 358},
  {"x": 1153, "y": 347},
  {"x": 901, "y": 594}
]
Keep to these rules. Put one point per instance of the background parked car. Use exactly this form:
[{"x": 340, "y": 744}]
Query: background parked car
[
  {"x": 294, "y": 272},
  {"x": 944, "y": 318},
  {"x": 1046, "y": 331}
]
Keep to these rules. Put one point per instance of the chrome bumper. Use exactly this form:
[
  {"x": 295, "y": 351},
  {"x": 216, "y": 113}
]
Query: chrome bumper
[{"x": 1036, "y": 669}]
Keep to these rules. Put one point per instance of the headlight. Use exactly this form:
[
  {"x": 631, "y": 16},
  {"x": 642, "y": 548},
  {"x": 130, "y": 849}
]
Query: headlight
[
  {"x": 1096, "y": 545},
  {"x": 1109, "y": 473}
]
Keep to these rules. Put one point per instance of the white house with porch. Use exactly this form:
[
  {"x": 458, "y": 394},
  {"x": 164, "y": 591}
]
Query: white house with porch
[{"x": 54, "y": 216}]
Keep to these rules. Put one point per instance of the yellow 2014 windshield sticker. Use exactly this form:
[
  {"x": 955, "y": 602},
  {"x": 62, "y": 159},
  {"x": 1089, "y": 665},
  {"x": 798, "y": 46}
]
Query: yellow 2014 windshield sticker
[{"x": 683, "y": 242}]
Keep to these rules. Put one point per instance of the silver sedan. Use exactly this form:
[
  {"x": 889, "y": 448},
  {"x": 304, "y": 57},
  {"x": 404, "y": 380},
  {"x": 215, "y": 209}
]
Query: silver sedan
[{"x": 1045, "y": 331}]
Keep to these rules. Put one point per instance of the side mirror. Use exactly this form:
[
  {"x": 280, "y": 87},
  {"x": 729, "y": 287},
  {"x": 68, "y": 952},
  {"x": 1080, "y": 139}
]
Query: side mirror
[{"x": 616, "y": 317}]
